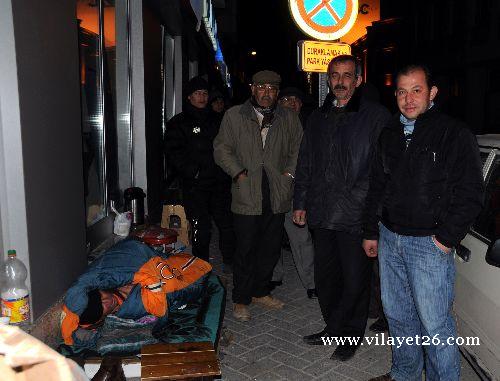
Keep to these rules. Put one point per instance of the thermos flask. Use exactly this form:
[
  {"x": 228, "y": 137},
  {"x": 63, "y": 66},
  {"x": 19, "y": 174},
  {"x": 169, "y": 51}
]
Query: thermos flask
[{"x": 134, "y": 202}]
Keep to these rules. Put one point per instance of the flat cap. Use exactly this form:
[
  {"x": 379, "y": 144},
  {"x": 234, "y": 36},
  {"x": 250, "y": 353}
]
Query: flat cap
[
  {"x": 266, "y": 76},
  {"x": 292, "y": 91}
]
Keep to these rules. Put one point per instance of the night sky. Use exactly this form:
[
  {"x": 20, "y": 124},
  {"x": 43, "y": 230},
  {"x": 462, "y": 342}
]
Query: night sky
[{"x": 267, "y": 27}]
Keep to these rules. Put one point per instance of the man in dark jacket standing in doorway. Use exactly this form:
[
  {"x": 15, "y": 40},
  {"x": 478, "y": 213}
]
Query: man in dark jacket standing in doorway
[
  {"x": 206, "y": 193},
  {"x": 426, "y": 189},
  {"x": 257, "y": 146},
  {"x": 330, "y": 190}
]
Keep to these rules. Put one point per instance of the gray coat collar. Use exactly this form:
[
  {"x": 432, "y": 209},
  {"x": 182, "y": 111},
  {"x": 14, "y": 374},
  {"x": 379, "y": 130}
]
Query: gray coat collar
[{"x": 248, "y": 111}]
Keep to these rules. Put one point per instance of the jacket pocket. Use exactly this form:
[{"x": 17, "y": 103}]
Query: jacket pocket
[
  {"x": 285, "y": 191},
  {"x": 242, "y": 195}
]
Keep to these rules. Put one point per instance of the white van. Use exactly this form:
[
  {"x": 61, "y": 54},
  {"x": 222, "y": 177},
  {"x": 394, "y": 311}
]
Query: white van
[{"x": 477, "y": 299}]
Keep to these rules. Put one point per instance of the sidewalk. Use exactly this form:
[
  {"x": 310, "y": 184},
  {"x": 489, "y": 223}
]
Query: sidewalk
[{"x": 270, "y": 346}]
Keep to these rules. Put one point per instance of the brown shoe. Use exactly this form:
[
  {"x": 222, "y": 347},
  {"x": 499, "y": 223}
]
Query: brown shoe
[
  {"x": 269, "y": 302},
  {"x": 240, "y": 312},
  {"x": 385, "y": 377}
]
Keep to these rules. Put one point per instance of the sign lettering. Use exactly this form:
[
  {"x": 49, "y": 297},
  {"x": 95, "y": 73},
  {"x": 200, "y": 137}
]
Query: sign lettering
[{"x": 315, "y": 56}]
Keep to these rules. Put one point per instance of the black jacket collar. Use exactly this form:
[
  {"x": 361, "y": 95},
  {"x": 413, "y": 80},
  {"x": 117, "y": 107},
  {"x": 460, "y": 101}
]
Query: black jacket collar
[{"x": 352, "y": 106}]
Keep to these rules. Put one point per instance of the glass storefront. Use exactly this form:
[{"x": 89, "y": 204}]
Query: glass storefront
[{"x": 103, "y": 30}]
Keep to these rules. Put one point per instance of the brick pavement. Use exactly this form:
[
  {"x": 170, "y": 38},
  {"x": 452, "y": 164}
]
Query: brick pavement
[{"x": 270, "y": 346}]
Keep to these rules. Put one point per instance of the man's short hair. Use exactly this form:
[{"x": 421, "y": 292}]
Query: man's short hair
[
  {"x": 93, "y": 312},
  {"x": 214, "y": 95},
  {"x": 346, "y": 58},
  {"x": 410, "y": 68}
]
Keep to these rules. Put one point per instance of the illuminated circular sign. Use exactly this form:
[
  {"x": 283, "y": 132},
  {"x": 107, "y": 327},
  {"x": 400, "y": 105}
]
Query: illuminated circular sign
[{"x": 324, "y": 19}]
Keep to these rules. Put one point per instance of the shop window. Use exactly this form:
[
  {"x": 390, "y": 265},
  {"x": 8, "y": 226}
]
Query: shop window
[{"x": 105, "y": 102}]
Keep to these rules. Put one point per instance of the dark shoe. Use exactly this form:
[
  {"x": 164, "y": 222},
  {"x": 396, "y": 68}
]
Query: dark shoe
[
  {"x": 385, "y": 377},
  {"x": 315, "y": 338},
  {"x": 274, "y": 283},
  {"x": 110, "y": 370},
  {"x": 379, "y": 326},
  {"x": 344, "y": 352},
  {"x": 312, "y": 294}
]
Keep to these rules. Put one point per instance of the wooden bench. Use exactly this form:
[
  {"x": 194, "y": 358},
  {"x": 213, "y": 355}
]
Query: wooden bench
[{"x": 180, "y": 361}]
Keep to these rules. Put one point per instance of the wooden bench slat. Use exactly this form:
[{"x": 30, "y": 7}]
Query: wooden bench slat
[
  {"x": 178, "y": 358},
  {"x": 179, "y": 371},
  {"x": 168, "y": 361},
  {"x": 176, "y": 347}
]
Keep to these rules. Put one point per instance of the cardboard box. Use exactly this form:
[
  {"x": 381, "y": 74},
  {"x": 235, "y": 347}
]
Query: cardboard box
[{"x": 174, "y": 217}]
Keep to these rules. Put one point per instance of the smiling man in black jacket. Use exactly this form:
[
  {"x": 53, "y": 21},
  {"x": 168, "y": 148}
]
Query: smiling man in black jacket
[
  {"x": 426, "y": 189},
  {"x": 330, "y": 188}
]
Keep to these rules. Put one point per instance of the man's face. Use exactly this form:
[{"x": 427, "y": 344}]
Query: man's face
[
  {"x": 291, "y": 102},
  {"x": 218, "y": 105},
  {"x": 265, "y": 94},
  {"x": 413, "y": 94},
  {"x": 343, "y": 81},
  {"x": 199, "y": 98},
  {"x": 110, "y": 302}
]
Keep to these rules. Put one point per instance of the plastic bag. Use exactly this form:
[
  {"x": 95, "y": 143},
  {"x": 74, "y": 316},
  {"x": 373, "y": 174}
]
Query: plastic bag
[{"x": 122, "y": 222}]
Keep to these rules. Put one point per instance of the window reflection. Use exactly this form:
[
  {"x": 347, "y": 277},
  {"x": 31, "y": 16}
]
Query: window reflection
[
  {"x": 488, "y": 222},
  {"x": 92, "y": 109},
  {"x": 98, "y": 104}
]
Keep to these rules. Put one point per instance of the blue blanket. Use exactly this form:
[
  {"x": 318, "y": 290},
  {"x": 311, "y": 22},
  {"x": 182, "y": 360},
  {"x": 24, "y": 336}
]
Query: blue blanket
[{"x": 200, "y": 320}]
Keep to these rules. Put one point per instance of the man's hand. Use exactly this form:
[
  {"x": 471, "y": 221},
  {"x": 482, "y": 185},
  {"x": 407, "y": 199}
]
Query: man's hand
[
  {"x": 242, "y": 175},
  {"x": 299, "y": 217},
  {"x": 444, "y": 248},
  {"x": 370, "y": 246}
]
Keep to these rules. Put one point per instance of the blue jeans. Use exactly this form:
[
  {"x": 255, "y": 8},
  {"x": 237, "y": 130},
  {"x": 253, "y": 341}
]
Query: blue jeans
[{"x": 417, "y": 280}]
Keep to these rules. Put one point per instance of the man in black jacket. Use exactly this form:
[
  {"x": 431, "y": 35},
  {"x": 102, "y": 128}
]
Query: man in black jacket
[
  {"x": 426, "y": 189},
  {"x": 206, "y": 189},
  {"x": 331, "y": 185}
]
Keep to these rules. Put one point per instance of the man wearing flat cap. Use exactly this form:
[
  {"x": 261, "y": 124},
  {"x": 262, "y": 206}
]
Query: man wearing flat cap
[
  {"x": 301, "y": 244},
  {"x": 257, "y": 146},
  {"x": 293, "y": 98},
  {"x": 206, "y": 193}
]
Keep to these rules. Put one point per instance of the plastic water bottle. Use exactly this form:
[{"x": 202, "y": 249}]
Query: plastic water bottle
[{"x": 15, "y": 294}]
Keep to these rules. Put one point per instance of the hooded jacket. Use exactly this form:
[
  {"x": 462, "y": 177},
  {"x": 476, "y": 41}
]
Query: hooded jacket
[{"x": 334, "y": 161}]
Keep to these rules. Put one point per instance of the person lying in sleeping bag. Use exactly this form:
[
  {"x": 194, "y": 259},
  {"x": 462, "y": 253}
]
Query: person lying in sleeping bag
[{"x": 130, "y": 281}]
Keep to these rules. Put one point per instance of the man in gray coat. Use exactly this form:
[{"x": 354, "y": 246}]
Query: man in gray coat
[{"x": 257, "y": 146}]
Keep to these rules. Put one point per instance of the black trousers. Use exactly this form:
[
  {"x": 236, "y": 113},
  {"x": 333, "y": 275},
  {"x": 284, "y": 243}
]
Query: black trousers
[
  {"x": 257, "y": 252},
  {"x": 201, "y": 205},
  {"x": 342, "y": 274}
]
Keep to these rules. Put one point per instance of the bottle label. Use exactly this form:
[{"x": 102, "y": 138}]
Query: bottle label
[{"x": 17, "y": 309}]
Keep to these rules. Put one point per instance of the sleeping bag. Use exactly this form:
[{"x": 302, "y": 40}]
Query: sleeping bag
[{"x": 160, "y": 281}]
